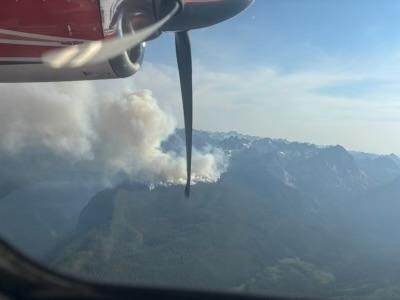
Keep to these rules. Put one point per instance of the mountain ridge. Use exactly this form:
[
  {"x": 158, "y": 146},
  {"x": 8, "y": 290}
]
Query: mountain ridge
[
  {"x": 278, "y": 221},
  {"x": 285, "y": 218}
]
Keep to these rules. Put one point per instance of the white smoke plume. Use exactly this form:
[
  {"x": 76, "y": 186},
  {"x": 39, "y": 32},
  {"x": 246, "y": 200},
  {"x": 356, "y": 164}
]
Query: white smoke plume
[{"x": 51, "y": 131}]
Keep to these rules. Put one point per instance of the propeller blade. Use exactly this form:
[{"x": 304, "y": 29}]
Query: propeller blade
[
  {"x": 98, "y": 51},
  {"x": 184, "y": 59}
]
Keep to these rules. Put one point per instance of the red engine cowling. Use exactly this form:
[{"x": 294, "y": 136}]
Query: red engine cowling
[{"x": 29, "y": 28}]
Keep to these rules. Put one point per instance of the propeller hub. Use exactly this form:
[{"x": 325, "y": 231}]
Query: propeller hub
[{"x": 205, "y": 13}]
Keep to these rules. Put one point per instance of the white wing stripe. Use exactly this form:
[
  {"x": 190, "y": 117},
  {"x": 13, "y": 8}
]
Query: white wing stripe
[
  {"x": 36, "y": 36},
  {"x": 20, "y": 59},
  {"x": 31, "y": 43}
]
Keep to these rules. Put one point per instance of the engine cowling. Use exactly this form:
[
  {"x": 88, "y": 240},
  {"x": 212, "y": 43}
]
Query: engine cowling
[{"x": 130, "y": 61}]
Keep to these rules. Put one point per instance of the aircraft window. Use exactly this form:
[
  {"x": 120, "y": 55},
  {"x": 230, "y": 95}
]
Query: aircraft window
[{"x": 288, "y": 184}]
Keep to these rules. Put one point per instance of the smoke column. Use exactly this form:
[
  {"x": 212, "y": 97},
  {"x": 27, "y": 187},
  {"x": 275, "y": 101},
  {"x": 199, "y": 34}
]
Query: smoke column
[{"x": 73, "y": 131}]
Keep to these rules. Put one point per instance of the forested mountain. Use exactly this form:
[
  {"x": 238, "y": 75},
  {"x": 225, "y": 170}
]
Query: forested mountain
[{"x": 285, "y": 218}]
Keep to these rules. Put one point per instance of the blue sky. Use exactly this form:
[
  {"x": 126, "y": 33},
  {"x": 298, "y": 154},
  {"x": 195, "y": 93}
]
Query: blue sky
[
  {"x": 289, "y": 33},
  {"x": 309, "y": 70}
]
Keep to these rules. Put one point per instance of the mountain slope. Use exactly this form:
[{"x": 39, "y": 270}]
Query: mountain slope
[
  {"x": 36, "y": 218},
  {"x": 221, "y": 238},
  {"x": 222, "y": 230},
  {"x": 286, "y": 218}
]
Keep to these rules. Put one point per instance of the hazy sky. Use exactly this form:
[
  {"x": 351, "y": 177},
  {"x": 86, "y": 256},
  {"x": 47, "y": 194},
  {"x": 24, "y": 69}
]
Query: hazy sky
[{"x": 326, "y": 72}]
